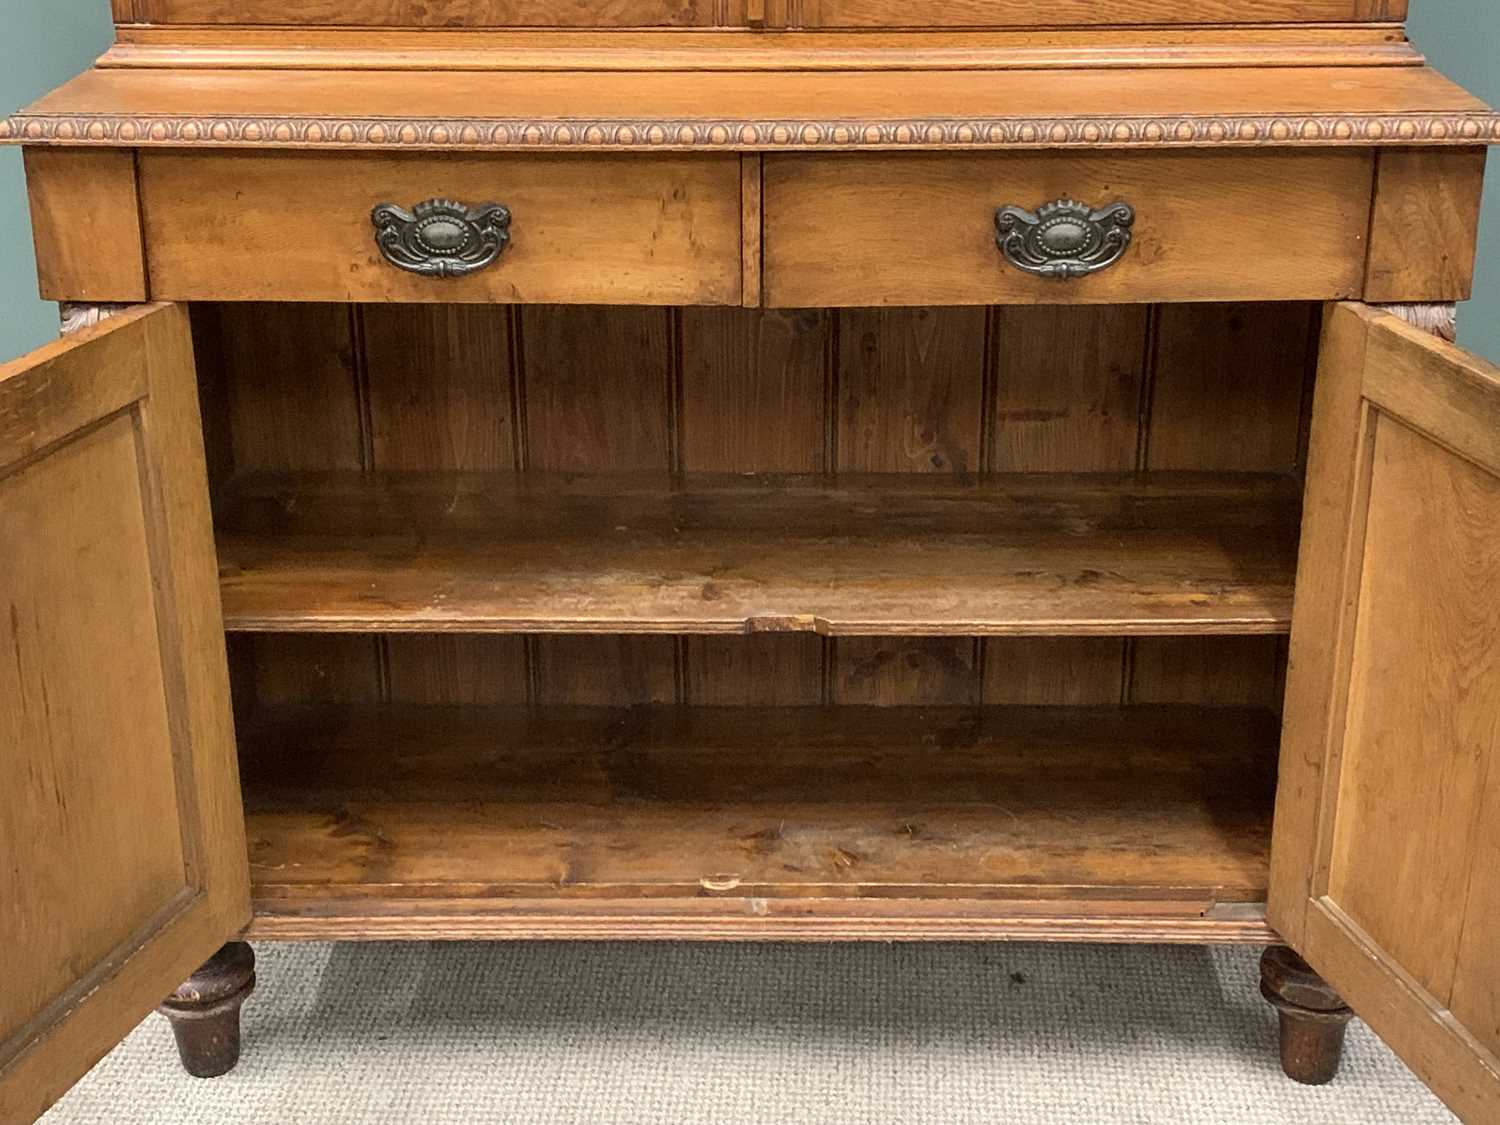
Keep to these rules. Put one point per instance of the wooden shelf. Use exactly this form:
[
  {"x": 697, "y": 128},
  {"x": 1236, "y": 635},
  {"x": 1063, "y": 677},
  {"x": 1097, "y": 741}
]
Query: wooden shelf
[
  {"x": 881, "y": 555},
  {"x": 1118, "y": 824}
]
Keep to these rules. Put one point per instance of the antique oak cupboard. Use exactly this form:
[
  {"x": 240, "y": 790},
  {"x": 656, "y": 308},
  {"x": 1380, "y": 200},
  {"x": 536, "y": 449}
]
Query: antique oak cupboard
[{"x": 752, "y": 469}]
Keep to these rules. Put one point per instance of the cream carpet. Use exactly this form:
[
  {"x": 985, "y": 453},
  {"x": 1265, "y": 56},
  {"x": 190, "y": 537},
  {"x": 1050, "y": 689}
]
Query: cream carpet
[{"x": 683, "y": 1034}]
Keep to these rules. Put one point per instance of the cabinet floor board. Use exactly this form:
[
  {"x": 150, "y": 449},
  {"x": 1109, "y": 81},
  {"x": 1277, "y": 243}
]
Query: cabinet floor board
[{"x": 668, "y": 817}]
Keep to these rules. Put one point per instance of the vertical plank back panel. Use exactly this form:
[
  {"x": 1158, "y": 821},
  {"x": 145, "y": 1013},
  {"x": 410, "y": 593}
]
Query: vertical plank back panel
[
  {"x": 583, "y": 389},
  {"x": 753, "y": 400},
  {"x": 908, "y": 398},
  {"x": 1067, "y": 387},
  {"x": 285, "y": 380},
  {"x": 598, "y": 390},
  {"x": 1228, "y": 390},
  {"x": 290, "y": 375},
  {"x": 439, "y": 397},
  {"x": 1229, "y": 387}
]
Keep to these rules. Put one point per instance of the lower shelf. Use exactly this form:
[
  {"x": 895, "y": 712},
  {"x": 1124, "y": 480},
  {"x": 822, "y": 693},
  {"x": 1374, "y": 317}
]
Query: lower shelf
[{"x": 1145, "y": 823}]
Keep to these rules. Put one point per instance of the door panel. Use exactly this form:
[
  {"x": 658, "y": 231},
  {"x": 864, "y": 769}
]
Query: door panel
[
  {"x": 1386, "y": 860},
  {"x": 121, "y": 830}
]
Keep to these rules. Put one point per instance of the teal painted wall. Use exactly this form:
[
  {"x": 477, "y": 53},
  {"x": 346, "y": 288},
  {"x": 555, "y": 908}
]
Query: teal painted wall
[
  {"x": 47, "y": 41},
  {"x": 1462, "y": 39}
]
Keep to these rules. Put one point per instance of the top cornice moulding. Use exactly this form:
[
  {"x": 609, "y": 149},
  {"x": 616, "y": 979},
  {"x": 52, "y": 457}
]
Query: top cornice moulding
[{"x": 748, "y": 111}]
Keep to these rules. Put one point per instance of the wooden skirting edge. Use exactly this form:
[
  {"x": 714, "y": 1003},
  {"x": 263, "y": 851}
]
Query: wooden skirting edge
[
  {"x": 1227, "y": 924},
  {"x": 759, "y": 135}
]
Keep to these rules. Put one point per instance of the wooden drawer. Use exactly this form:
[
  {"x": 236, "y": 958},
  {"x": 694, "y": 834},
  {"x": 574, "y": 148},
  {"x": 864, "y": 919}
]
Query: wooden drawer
[
  {"x": 425, "y": 14},
  {"x": 656, "y": 229},
  {"x": 888, "y": 229},
  {"x": 1067, "y": 13}
]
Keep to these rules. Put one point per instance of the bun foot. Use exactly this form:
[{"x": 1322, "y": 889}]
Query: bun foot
[
  {"x": 1314, "y": 1017},
  {"x": 205, "y": 1011}
]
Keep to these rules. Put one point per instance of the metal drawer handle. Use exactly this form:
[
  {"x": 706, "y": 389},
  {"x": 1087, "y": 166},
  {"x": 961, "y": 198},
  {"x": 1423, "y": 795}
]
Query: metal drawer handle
[
  {"x": 441, "y": 238},
  {"x": 1065, "y": 239}
]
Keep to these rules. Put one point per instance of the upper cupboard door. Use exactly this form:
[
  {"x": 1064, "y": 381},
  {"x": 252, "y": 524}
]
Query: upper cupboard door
[
  {"x": 770, "y": 13},
  {"x": 1386, "y": 858},
  {"x": 122, "y": 846},
  {"x": 1071, "y": 13},
  {"x": 427, "y": 13}
]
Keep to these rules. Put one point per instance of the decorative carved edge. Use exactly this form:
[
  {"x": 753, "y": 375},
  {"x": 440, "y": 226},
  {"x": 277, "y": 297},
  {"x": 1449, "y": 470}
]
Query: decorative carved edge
[
  {"x": 1475, "y": 128},
  {"x": 1440, "y": 320},
  {"x": 75, "y": 317}
]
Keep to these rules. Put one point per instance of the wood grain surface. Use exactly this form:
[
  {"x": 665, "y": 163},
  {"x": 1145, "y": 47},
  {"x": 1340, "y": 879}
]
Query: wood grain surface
[
  {"x": 120, "y": 815},
  {"x": 1386, "y": 821},
  {"x": 814, "y": 13},
  {"x": 920, "y": 229},
  {"x": 1078, "y": 107},
  {"x": 1154, "y": 806},
  {"x": 745, "y": 391},
  {"x": 864, "y": 556},
  {"x": 644, "y": 230}
]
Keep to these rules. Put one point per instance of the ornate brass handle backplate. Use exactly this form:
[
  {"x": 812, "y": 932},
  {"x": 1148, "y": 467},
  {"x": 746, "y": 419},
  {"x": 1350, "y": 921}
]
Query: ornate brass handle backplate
[
  {"x": 441, "y": 238},
  {"x": 1065, "y": 239}
]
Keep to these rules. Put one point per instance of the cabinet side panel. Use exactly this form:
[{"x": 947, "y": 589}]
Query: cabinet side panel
[
  {"x": 86, "y": 220},
  {"x": 1424, "y": 227},
  {"x": 1476, "y": 983}
]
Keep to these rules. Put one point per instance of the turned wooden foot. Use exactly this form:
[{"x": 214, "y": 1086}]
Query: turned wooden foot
[
  {"x": 205, "y": 1011},
  {"x": 1313, "y": 1016}
]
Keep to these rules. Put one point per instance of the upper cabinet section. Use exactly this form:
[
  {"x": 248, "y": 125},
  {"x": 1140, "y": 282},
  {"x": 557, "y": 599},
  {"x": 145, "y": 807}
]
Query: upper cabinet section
[{"x": 738, "y": 13}]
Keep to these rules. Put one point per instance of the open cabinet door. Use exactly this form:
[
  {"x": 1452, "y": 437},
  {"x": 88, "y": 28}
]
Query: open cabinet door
[
  {"x": 122, "y": 841},
  {"x": 1386, "y": 858}
]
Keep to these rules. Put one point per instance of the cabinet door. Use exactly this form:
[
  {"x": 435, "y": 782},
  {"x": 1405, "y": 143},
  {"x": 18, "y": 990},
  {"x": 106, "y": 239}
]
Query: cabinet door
[
  {"x": 122, "y": 846},
  {"x": 1386, "y": 860}
]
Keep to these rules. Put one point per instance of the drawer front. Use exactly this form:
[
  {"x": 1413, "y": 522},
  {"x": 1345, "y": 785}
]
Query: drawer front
[
  {"x": 426, "y": 14},
  {"x": 1089, "y": 13},
  {"x": 886, "y": 229},
  {"x": 586, "y": 229}
]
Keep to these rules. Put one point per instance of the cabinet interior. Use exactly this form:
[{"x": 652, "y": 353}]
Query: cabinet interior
[{"x": 587, "y": 606}]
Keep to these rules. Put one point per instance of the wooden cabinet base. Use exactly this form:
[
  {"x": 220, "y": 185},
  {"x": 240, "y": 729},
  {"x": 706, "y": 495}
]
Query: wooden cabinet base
[
  {"x": 205, "y": 1011},
  {"x": 1314, "y": 1017}
]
